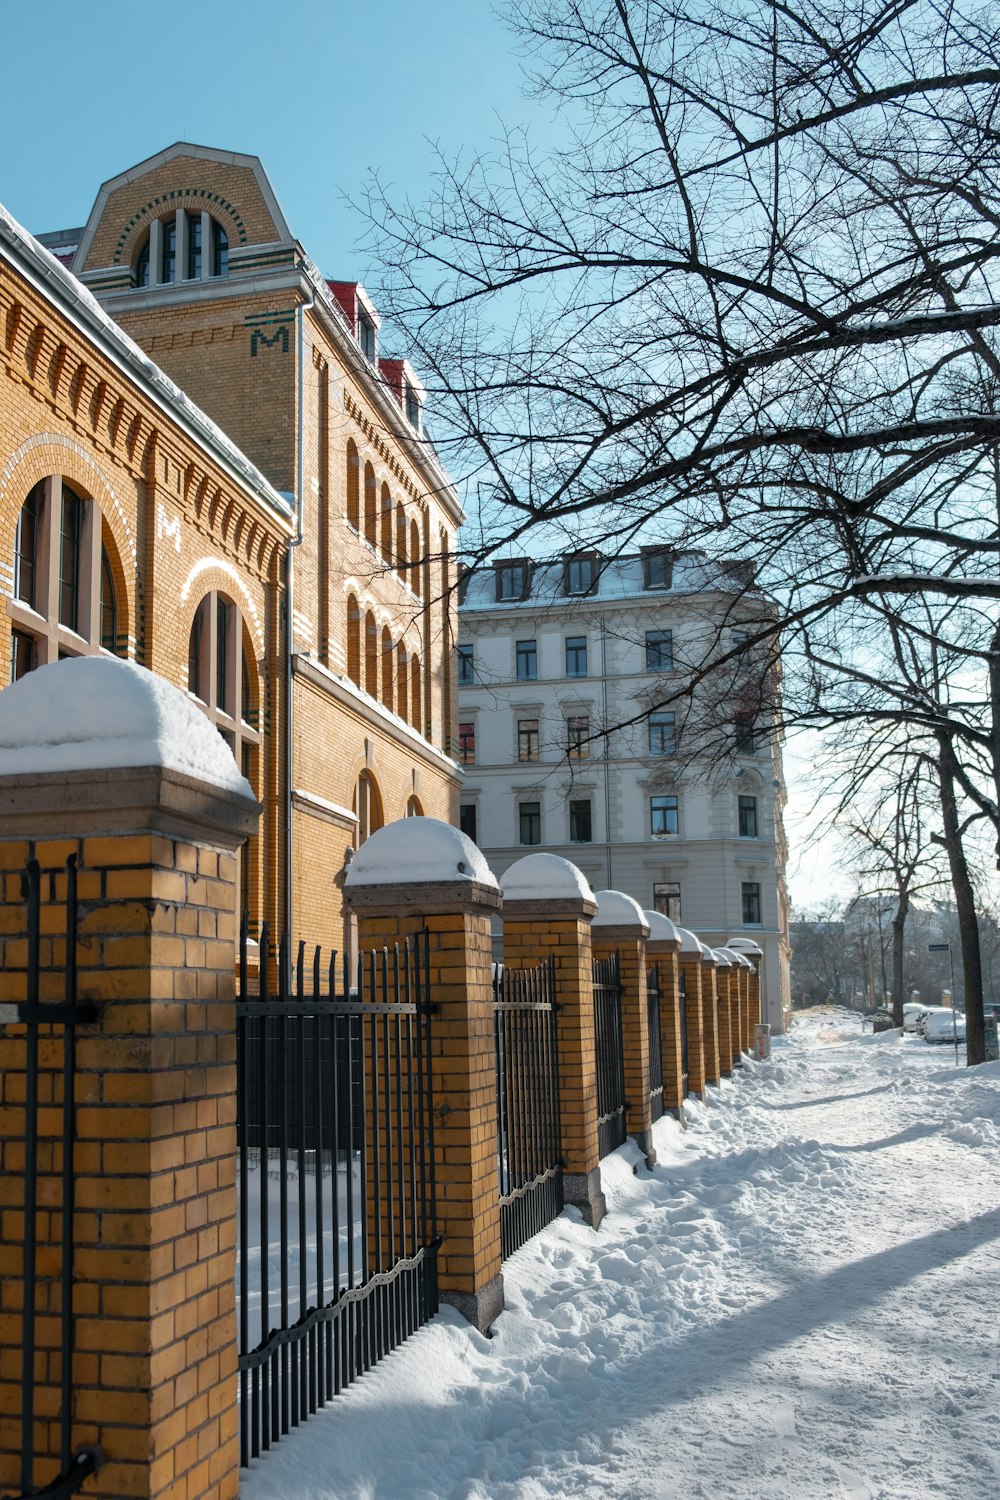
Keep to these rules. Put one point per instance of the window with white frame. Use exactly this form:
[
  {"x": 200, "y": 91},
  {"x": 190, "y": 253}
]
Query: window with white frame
[
  {"x": 662, "y": 732},
  {"x": 667, "y": 898},
  {"x": 663, "y": 815},
  {"x": 747, "y": 808},
  {"x": 751, "y": 903}
]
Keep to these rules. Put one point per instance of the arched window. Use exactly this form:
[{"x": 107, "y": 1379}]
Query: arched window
[
  {"x": 413, "y": 808},
  {"x": 402, "y": 682},
  {"x": 387, "y": 518},
  {"x": 371, "y": 655},
  {"x": 401, "y": 542},
  {"x": 415, "y": 551},
  {"x": 367, "y": 806},
  {"x": 388, "y": 663},
  {"x": 416, "y": 699},
  {"x": 222, "y": 674},
  {"x": 371, "y": 507},
  {"x": 353, "y": 486},
  {"x": 187, "y": 247},
  {"x": 65, "y": 599},
  {"x": 353, "y": 641}
]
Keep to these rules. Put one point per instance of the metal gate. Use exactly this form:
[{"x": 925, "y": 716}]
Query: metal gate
[
  {"x": 610, "y": 1054},
  {"x": 40, "y": 1159},
  {"x": 337, "y": 1234},
  {"x": 529, "y": 1153},
  {"x": 655, "y": 1043}
]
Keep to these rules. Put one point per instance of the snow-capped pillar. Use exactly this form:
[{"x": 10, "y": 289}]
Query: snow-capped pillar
[
  {"x": 547, "y": 911},
  {"x": 697, "y": 994},
  {"x": 710, "y": 1022},
  {"x": 106, "y": 765},
  {"x": 620, "y": 927},
  {"x": 663, "y": 947},
  {"x": 754, "y": 955},
  {"x": 420, "y": 875},
  {"x": 728, "y": 1041}
]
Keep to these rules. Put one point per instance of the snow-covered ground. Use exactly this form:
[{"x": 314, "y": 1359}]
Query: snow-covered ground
[{"x": 800, "y": 1302}]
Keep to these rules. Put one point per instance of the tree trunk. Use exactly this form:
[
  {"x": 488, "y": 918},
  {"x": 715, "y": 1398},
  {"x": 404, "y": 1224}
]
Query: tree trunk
[
  {"x": 898, "y": 926},
  {"x": 965, "y": 904}
]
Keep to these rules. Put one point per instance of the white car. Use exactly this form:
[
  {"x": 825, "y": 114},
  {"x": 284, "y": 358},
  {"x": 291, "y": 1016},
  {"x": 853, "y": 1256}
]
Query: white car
[
  {"x": 911, "y": 1010},
  {"x": 930, "y": 1010},
  {"x": 940, "y": 1027}
]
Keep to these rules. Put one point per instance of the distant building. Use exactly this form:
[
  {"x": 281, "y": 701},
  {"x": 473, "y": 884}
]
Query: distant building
[{"x": 568, "y": 745}]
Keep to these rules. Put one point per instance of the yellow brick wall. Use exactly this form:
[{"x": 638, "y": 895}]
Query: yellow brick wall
[{"x": 154, "y": 1227}]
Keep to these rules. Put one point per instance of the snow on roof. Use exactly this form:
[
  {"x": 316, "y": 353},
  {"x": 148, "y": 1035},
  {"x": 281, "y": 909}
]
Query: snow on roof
[
  {"x": 619, "y": 578},
  {"x": 416, "y": 851},
  {"x": 722, "y": 958},
  {"x": 615, "y": 909},
  {"x": 740, "y": 959},
  {"x": 540, "y": 876},
  {"x": 661, "y": 929},
  {"x": 86, "y": 304},
  {"x": 96, "y": 713}
]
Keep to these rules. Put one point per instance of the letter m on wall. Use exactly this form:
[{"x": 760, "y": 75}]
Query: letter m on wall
[{"x": 279, "y": 336}]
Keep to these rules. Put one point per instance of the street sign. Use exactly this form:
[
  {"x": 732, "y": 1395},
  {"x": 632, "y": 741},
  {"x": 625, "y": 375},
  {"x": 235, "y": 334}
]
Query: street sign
[{"x": 938, "y": 947}]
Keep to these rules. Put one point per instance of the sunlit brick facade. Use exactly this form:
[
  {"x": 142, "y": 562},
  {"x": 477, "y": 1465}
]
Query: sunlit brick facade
[{"x": 240, "y": 495}]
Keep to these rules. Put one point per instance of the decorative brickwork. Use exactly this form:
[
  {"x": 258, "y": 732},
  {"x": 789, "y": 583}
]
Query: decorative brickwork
[
  {"x": 710, "y": 1024},
  {"x": 725, "y": 1014},
  {"x": 692, "y": 968}
]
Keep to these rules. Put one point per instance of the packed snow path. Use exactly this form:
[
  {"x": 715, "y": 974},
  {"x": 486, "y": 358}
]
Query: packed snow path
[{"x": 799, "y": 1302}]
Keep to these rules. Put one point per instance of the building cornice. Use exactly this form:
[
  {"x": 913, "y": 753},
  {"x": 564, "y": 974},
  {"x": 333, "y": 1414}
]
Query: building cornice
[{"x": 349, "y": 696}]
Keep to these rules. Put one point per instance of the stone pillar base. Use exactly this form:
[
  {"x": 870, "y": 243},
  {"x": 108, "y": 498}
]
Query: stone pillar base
[
  {"x": 583, "y": 1190},
  {"x": 482, "y": 1307},
  {"x": 644, "y": 1140}
]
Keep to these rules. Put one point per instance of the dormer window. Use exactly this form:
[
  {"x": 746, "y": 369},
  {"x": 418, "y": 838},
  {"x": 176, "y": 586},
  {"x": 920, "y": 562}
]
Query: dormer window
[
  {"x": 657, "y": 564},
  {"x": 580, "y": 574},
  {"x": 412, "y": 404},
  {"x": 512, "y": 580},
  {"x": 180, "y": 243},
  {"x": 366, "y": 335}
]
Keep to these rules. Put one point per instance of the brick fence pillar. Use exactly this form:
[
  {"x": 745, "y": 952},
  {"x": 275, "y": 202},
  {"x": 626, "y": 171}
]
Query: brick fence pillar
[
  {"x": 154, "y": 1226},
  {"x": 692, "y": 966},
  {"x": 663, "y": 946},
  {"x": 620, "y": 927},
  {"x": 547, "y": 911},
  {"x": 710, "y": 1018},
  {"x": 753, "y": 953},
  {"x": 746, "y": 1031},
  {"x": 420, "y": 874},
  {"x": 728, "y": 1044}
]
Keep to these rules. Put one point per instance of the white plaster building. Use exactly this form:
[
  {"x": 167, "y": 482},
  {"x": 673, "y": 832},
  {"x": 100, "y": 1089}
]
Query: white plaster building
[{"x": 567, "y": 746}]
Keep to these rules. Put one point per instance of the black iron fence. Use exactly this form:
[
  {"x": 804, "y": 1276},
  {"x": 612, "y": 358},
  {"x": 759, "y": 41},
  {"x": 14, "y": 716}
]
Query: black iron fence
[
  {"x": 337, "y": 1233},
  {"x": 45, "y": 1147},
  {"x": 655, "y": 1043},
  {"x": 610, "y": 1054},
  {"x": 529, "y": 1154}
]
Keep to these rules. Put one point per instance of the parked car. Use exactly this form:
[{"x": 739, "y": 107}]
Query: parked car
[
  {"x": 911, "y": 1010},
  {"x": 930, "y": 1010},
  {"x": 939, "y": 1025}
]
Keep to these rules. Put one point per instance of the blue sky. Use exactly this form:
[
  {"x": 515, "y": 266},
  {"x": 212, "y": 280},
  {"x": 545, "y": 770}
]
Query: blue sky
[{"x": 322, "y": 93}]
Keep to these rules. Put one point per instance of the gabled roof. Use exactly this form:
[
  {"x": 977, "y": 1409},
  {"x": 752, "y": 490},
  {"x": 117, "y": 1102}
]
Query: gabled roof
[{"x": 180, "y": 149}]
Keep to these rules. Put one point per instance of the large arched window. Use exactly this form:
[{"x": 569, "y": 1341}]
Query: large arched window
[
  {"x": 367, "y": 806},
  {"x": 187, "y": 247},
  {"x": 65, "y": 601},
  {"x": 416, "y": 696},
  {"x": 353, "y": 641},
  {"x": 386, "y": 527},
  {"x": 415, "y": 552},
  {"x": 371, "y": 655},
  {"x": 222, "y": 675},
  {"x": 388, "y": 662},
  {"x": 401, "y": 542},
  {"x": 371, "y": 507},
  {"x": 353, "y": 486},
  {"x": 402, "y": 682}
]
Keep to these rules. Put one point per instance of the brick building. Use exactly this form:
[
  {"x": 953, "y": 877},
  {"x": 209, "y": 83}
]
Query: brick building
[
  {"x": 572, "y": 742},
  {"x": 207, "y": 465}
]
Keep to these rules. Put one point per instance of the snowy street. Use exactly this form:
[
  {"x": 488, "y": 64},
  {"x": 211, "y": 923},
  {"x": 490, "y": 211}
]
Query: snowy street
[{"x": 799, "y": 1302}]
